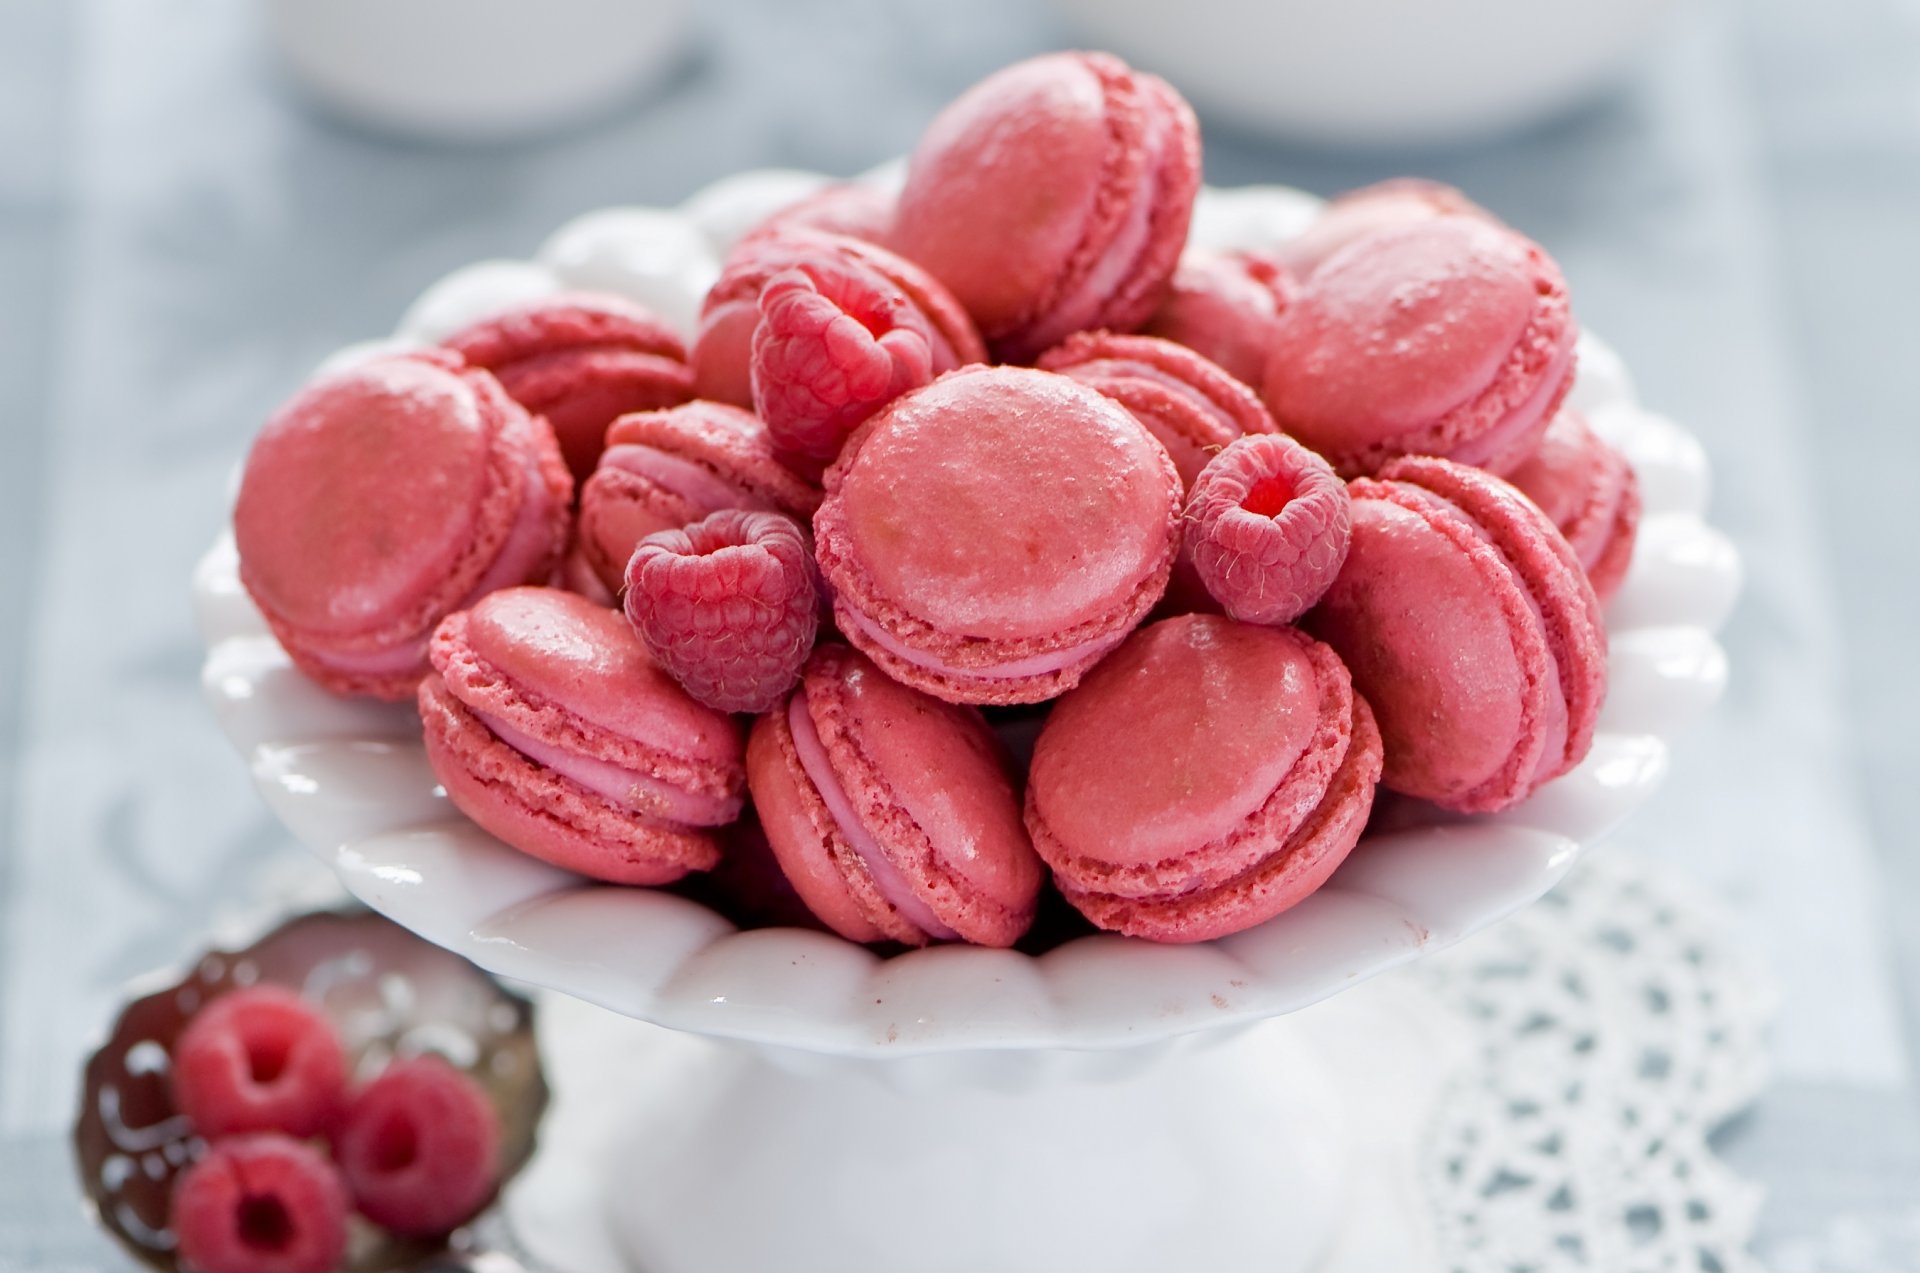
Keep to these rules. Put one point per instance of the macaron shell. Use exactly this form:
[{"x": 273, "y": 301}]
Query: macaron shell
[
  {"x": 1277, "y": 882},
  {"x": 1191, "y": 405},
  {"x": 1018, "y": 163},
  {"x": 1427, "y": 338},
  {"x": 1192, "y": 753},
  {"x": 816, "y": 859},
  {"x": 581, "y": 360},
  {"x": 930, "y": 784},
  {"x": 1223, "y": 307},
  {"x": 1588, "y": 490},
  {"x": 571, "y": 673},
  {"x": 543, "y": 814},
  {"x": 1053, "y": 196},
  {"x": 1546, "y": 567},
  {"x": 1359, "y": 213},
  {"x": 1055, "y": 509}
]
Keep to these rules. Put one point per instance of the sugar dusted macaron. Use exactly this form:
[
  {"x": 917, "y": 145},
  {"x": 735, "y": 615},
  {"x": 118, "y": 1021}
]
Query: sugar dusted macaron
[
  {"x": 549, "y": 725},
  {"x": 1205, "y": 777},
  {"x": 1590, "y": 492},
  {"x": 1447, "y": 336},
  {"x": 1053, "y": 197},
  {"x": 893, "y": 814},
  {"x": 663, "y": 470},
  {"x": 384, "y": 497},
  {"x": 1190, "y": 404},
  {"x": 1471, "y": 629},
  {"x": 990, "y": 537}
]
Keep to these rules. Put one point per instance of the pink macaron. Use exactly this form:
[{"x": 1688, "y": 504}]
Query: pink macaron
[
  {"x": 1591, "y": 493},
  {"x": 853, "y": 208},
  {"x": 1448, "y": 336},
  {"x": 1471, "y": 629},
  {"x": 663, "y": 470},
  {"x": 893, "y": 814},
  {"x": 1206, "y": 777},
  {"x": 1222, "y": 305},
  {"x": 1052, "y": 197},
  {"x": 1359, "y": 213},
  {"x": 548, "y": 725},
  {"x": 581, "y": 361},
  {"x": 730, "y": 314},
  {"x": 990, "y": 537},
  {"x": 382, "y": 498},
  {"x": 1189, "y": 403}
]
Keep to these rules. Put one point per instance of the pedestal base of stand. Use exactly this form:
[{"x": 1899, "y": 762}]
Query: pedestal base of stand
[{"x": 1286, "y": 1148}]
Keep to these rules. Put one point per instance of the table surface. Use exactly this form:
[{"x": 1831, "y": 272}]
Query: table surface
[{"x": 181, "y": 240}]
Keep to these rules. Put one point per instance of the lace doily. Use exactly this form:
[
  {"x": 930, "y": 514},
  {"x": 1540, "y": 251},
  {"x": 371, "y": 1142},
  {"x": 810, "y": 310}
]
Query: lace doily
[{"x": 1615, "y": 1029}]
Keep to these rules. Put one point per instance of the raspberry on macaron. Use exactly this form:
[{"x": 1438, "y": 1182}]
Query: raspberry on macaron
[
  {"x": 729, "y": 606},
  {"x": 1267, "y": 527}
]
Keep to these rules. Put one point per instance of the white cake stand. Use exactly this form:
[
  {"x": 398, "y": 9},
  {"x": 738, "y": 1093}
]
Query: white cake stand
[{"x": 1111, "y": 1104}]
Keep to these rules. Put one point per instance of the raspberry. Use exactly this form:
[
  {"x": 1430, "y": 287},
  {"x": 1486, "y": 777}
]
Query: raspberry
[
  {"x": 264, "y": 1203},
  {"x": 1267, "y": 525},
  {"x": 729, "y": 606},
  {"x": 259, "y": 1059},
  {"x": 835, "y": 343},
  {"x": 420, "y": 1148}
]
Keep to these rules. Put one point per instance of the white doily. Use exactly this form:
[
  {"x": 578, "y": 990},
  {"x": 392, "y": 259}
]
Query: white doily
[{"x": 1616, "y": 1028}]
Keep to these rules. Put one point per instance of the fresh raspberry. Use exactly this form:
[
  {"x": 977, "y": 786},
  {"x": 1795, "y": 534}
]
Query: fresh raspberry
[
  {"x": 264, "y": 1203},
  {"x": 1267, "y": 526},
  {"x": 420, "y": 1148},
  {"x": 835, "y": 343},
  {"x": 729, "y": 606},
  {"x": 259, "y": 1059}
]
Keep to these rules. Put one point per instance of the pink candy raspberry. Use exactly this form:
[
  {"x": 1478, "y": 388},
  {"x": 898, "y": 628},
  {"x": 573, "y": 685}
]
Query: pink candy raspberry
[
  {"x": 1267, "y": 526},
  {"x": 420, "y": 1148},
  {"x": 264, "y": 1203},
  {"x": 835, "y": 343},
  {"x": 729, "y": 606},
  {"x": 259, "y": 1059}
]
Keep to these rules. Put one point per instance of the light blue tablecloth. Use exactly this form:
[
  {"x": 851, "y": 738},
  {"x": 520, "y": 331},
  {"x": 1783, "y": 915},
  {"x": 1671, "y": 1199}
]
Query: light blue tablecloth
[{"x": 180, "y": 242}]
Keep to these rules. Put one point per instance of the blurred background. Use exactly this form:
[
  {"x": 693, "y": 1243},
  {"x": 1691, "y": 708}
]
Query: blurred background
[{"x": 199, "y": 199}]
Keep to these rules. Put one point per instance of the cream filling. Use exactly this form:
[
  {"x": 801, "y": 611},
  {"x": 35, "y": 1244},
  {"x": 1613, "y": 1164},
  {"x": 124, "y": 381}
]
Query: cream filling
[
  {"x": 700, "y": 488},
  {"x": 1113, "y": 265},
  {"x": 622, "y": 786},
  {"x": 1013, "y": 670},
  {"x": 886, "y": 876},
  {"x": 1524, "y": 416}
]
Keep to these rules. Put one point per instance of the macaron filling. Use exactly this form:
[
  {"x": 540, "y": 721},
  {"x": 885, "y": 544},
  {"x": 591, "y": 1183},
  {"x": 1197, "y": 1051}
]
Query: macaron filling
[
  {"x": 1081, "y": 304},
  {"x": 619, "y": 785},
  {"x": 892, "y": 885},
  {"x": 1496, "y": 445},
  {"x": 1018, "y": 669},
  {"x": 696, "y": 485}
]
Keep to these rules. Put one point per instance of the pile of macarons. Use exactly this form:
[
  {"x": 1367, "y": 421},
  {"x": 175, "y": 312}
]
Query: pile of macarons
[
  {"x": 293, "y": 1147},
  {"x": 986, "y": 547}
]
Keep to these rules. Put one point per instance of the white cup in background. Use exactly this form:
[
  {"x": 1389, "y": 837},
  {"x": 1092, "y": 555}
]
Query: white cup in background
[{"x": 475, "y": 70}]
